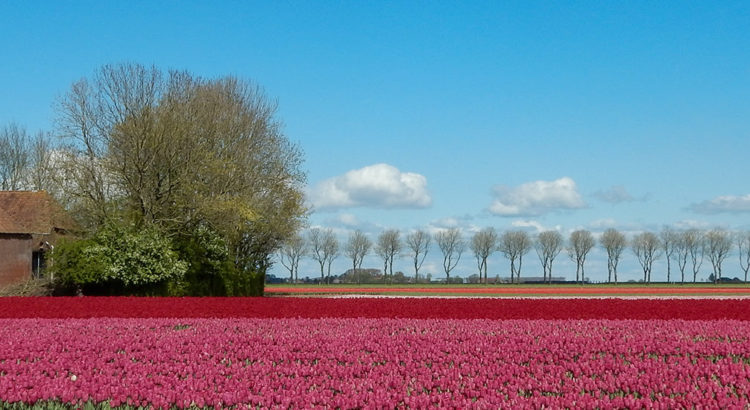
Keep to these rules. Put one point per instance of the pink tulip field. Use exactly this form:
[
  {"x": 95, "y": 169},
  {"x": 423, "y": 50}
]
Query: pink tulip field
[{"x": 373, "y": 362}]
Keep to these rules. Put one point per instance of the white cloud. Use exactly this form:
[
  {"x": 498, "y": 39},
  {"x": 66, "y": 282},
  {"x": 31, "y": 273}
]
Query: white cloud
[
  {"x": 536, "y": 198},
  {"x": 463, "y": 223},
  {"x": 723, "y": 204},
  {"x": 614, "y": 195},
  {"x": 691, "y": 223},
  {"x": 617, "y": 194},
  {"x": 348, "y": 220},
  {"x": 603, "y": 223},
  {"x": 376, "y": 186},
  {"x": 536, "y": 226}
]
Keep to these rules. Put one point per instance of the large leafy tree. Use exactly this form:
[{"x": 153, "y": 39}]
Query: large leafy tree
[{"x": 175, "y": 151}]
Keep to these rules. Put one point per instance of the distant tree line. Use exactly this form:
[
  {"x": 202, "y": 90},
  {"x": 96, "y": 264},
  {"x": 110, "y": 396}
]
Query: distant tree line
[
  {"x": 686, "y": 249},
  {"x": 181, "y": 185}
]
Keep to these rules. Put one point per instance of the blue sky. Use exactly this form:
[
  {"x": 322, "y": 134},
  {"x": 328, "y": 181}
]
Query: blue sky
[{"x": 534, "y": 115}]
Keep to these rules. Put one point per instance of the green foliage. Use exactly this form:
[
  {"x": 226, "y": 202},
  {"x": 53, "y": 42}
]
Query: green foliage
[
  {"x": 119, "y": 260},
  {"x": 76, "y": 262},
  {"x": 245, "y": 283},
  {"x": 212, "y": 270},
  {"x": 139, "y": 257},
  {"x": 209, "y": 264},
  {"x": 176, "y": 151}
]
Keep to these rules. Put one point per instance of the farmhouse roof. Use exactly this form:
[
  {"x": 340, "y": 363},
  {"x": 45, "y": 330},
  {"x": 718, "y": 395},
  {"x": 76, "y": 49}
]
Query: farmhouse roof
[
  {"x": 8, "y": 226},
  {"x": 34, "y": 212}
]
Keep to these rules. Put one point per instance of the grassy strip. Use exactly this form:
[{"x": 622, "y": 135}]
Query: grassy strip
[
  {"x": 514, "y": 286},
  {"x": 513, "y": 290},
  {"x": 500, "y": 295}
]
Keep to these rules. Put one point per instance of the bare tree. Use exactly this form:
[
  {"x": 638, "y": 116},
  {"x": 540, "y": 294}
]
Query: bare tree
[
  {"x": 483, "y": 244},
  {"x": 41, "y": 169},
  {"x": 580, "y": 244},
  {"x": 419, "y": 243},
  {"x": 683, "y": 251},
  {"x": 515, "y": 244},
  {"x": 331, "y": 250},
  {"x": 647, "y": 248},
  {"x": 290, "y": 253},
  {"x": 316, "y": 239},
  {"x": 694, "y": 241},
  {"x": 669, "y": 239},
  {"x": 14, "y": 157},
  {"x": 614, "y": 243},
  {"x": 718, "y": 245},
  {"x": 85, "y": 118},
  {"x": 452, "y": 245},
  {"x": 548, "y": 245},
  {"x": 357, "y": 247},
  {"x": 387, "y": 247},
  {"x": 743, "y": 247}
]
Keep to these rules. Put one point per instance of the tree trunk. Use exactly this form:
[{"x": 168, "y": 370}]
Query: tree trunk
[
  {"x": 668, "y": 269},
  {"x": 582, "y": 273},
  {"x": 390, "y": 269},
  {"x": 485, "y": 271},
  {"x": 718, "y": 274}
]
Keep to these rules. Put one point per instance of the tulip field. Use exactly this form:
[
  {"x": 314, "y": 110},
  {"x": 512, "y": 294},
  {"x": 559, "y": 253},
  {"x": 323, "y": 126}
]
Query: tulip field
[{"x": 374, "y": 352}]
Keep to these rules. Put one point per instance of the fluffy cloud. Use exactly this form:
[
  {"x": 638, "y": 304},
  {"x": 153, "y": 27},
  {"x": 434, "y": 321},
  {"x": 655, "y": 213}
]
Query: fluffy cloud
[
  {"x": 377, "y": 186},
  {"x": 604, "y": 223},
  {"x": 464, "y": 223},
  {"x": 534, "y": 226},
  {"x": 536, "y": 198},
  {"x": 347, "y": 220},
  {"x": 618, "y": 194},
  {"x": 614, "y": 195},
  {"x": 723, "y": 204},
  {"x": 691, "y": 224}
]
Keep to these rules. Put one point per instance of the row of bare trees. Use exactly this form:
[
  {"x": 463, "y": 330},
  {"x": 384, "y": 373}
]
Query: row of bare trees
[
  {"x": 686, "y": 248},
  {"x": 25, "y": 159}
]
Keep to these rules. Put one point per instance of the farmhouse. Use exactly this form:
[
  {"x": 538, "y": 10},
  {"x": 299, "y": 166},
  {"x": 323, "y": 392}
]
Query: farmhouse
[{"x": 31, "y": 222}]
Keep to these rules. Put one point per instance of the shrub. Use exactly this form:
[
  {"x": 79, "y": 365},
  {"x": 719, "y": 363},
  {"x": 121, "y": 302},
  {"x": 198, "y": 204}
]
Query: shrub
[
  {"x": 119, "y": 260},
  {"x": 209, "y": 265}
]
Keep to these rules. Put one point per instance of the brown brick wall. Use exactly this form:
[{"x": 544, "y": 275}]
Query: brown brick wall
[{"x": 15, "y": 258}]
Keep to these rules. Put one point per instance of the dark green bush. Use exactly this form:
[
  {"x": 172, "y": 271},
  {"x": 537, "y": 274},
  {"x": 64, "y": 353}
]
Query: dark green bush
[{"x": 209, "y": 264}]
